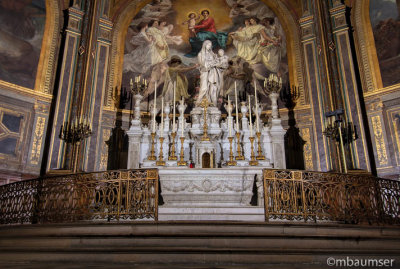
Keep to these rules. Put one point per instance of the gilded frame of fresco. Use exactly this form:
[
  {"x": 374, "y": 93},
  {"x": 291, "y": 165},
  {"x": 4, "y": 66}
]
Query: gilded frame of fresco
[
  {"x": 44, "y": 80},
  {"x": 123, "y": 19},
  {"x": 383, "y": 129},
  {"x": 366, "y": 51}
]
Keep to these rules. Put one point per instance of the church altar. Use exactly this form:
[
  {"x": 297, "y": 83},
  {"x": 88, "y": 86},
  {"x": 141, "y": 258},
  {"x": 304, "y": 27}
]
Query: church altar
[
  {"x": 211, "y": 194},
  {"x": 210, "y": 168},
  {"x": 205, "y": 142}
]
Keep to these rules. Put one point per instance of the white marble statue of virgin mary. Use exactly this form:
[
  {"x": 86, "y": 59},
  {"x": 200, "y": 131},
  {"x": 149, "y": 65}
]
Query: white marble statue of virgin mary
[{"x": 210, "y": 75}]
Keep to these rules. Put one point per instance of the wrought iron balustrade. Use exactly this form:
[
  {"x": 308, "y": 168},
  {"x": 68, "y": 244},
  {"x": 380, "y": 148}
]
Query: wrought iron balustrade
[
  {"x": 304, "y": 195},
  {"x": 110, "y": 195}
]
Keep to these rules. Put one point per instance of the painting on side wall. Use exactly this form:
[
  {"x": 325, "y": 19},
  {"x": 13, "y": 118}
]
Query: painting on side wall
[
  {"x": 22, "y": 25},
  {"x": 171, "y": 42},
  {"x": 385, "y": 21}
]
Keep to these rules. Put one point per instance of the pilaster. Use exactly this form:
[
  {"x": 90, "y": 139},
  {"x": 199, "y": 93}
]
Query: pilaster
[
  {"x": 348, "y": 84},
  {"x": 95, "y": 96},
  {"x": 317, "y": 90},
  {"x": 65, "y": 86}
]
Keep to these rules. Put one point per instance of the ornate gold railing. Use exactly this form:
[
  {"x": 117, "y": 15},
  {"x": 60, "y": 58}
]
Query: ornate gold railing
[
  {"x": 111, "y": 195},
  {"x": 303, "y": 195}
]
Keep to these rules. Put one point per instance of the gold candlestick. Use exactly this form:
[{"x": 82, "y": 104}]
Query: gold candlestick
[
  {"x": 239, "y": 148},
  {"x": 253, "y": 160},
  {"x": 172, "y": 157},
  {"x": 231, "y": 162},
  {"x": 152, "y": 157},
  {"x": 161, "y": 161},
  {"x": 260, "y": 156},
  {"x": 204, "y": 104},
  {"x": 182, "y": 161}
]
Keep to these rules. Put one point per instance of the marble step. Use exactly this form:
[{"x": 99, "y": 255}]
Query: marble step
[
  {"x": 203, "y": 228},
  {"x": 188, "y": 245},
  {"x": 249, "y": 213},
  {"x": 211, "y": 243}
]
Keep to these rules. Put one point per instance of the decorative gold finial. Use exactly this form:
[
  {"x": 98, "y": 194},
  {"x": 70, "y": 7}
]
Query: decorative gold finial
[{"x": 204, "y": 104}]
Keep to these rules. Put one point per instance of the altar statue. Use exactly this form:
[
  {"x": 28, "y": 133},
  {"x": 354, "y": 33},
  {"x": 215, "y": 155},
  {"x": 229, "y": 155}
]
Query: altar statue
[{"x": 211, "y": 74}]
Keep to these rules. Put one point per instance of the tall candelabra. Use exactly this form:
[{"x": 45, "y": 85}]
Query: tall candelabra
[
  {"x": 139, "y": 86},
  {"x": 182, "y": 161},
  {"x": 136, "y": 90},
  {"x": 272, "y": 86},
  {"x": 253, "y": 161},
  {"x": 172, "y": 156},
  {"x": 229, "y": 108},
  {"x": 161, "y": 161},
  {"x": 181, "y": 108},
  {"x": 73, "y": 133},
  {"x": 260, "y": 155},
  {"x": 341, "y": 133},
  {"x": 152, "y": 156}
]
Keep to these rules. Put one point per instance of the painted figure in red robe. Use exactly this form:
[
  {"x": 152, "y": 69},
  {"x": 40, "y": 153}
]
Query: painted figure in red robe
[{"x": 206, "y": 30}]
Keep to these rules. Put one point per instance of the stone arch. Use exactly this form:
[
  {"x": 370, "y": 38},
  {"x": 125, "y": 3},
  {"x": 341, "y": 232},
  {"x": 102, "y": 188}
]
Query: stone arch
[
  {"x": 125, "y": 13},
  {"x": 49, "y": 51}
]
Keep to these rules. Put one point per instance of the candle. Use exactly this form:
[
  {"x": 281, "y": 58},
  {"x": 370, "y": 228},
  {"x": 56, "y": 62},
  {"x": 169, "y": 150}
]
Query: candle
[
  {"x": 183, "y": 117},
  {"x": 251, "y": 124},
  {"x": 229, "y": 117},
  {"x": 173, "y": 120},
  {"x": 236, "y": 108},
  {"x": 255, "y": 98},
  {"x": 162, "y": 117},
  {"x": 154, "y": 107}
]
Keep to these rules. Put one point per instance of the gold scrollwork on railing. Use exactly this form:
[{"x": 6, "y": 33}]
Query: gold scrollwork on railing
[
  {"x": 111, "y": 195},
  {"x": 304, "y": 195}
]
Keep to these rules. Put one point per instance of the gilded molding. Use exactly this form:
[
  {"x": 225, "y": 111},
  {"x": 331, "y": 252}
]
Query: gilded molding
[
  {"x": 380, "y": 145},
  {"x": 379, "y": 92},
  {"x": 25, "y": 91},
  {"x": 393, "y": 117},
  {"x": 308, "y": 156},
  {"x": 365, "y": 46},
  {"x": 47, "y": 60},
  {"x": 123, "y": 19},
  {"x": 105, "y": 27},
  {"x": 41, "y": 108},
  {"x": 104, "y": 150},
  {"x": 375, "y": 107},
  {"x": 37, "y": 140}
]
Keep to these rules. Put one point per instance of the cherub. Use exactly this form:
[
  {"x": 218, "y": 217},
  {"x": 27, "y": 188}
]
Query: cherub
[
  {"x": 191, "y": 22},
  {"x": 223, "y": 60},
  {"x": 222, "y": 64}
]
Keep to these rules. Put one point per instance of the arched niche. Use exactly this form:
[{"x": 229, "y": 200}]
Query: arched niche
[{"x": 125, "y": 12}]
